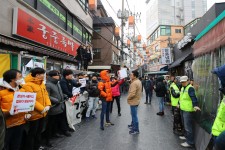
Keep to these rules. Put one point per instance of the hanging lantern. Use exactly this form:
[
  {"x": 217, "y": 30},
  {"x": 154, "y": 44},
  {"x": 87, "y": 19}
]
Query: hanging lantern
[
  {"x": 139, "y": 38},
  {"x": 92, "y": 5},
  {"x": 128, "y": 43},
  {"x": 117, "y": 31},
  {"x": 131, "y": 20},
  {"x": 144, "y": 46}
]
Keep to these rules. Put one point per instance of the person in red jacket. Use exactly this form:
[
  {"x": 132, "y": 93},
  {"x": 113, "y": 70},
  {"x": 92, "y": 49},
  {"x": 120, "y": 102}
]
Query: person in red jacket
[{"x": 116, "y": 94}]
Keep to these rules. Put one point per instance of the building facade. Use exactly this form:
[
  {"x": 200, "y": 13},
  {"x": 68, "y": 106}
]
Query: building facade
[
  {"x": 172, "y": 12},
  {"x": 44, "y": 33},
  {"x": 105, "y": 43}
]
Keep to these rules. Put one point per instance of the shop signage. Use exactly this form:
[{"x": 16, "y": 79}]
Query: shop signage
[
  {"x": 166, "y": 56},
  {"x": 29, "y": 27}
]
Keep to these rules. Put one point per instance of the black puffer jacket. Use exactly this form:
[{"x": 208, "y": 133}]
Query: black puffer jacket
[
  {"x": 160, "y": 87},
  {"x": 92, "y": 89},
  {"x": 56, "y": 96},
  {"x": 67, "y": 86}
]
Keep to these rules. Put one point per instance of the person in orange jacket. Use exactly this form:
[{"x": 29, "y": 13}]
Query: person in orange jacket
[
  {"x": 14, "y": 121},
  {"x": 34, "y": 83},
  {"x": 105, "y": 87}
]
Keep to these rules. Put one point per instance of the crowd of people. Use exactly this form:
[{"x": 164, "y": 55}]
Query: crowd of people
[{"x": 34, "y": 129}]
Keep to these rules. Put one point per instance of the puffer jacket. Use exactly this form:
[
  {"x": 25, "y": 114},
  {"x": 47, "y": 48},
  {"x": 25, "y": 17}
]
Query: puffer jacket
[
  {"x": 160, "y": 87},
  {"x": 6, "y": 99},
  {"x": 105, "y": 86},
  {"x": 56, "y": 96},
  {"x": 42, "y": 99},
  {"x": 116, "y": 89}
]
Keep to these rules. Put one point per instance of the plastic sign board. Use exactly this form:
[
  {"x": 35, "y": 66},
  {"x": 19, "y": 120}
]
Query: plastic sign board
[{"x": 23, "y": 102}]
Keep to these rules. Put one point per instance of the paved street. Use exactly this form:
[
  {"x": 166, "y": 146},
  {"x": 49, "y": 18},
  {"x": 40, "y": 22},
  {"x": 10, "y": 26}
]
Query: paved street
[{"x": 155, "y": 132}]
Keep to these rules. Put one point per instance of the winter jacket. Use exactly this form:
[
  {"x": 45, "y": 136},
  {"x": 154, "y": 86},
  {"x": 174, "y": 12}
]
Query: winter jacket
[
  {"x": 37, "y": 86},
  {"x": 134, "y": 94},
  {"x": 92, "y": 89},
  {"x": 147, "y": 84},
  {"x": 6, "y": 99},
  {"x": 2, "y": 130},
  {"x": 56, "y": 96},
  {"x": 105, "y": 86},
  {"x": 67, "y": 86},
  {"x": 160, "y": 87},
  {"x": 116, "y": 89}
]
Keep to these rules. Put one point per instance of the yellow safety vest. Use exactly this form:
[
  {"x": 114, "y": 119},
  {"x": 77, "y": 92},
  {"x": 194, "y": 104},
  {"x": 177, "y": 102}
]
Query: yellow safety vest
[
  {"x": 219, "y": 123},
  {"x": 174, "y": 101},
  {"x": 185, "y": 100}
]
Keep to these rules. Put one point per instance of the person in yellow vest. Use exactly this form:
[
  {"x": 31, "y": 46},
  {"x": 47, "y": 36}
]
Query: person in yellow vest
[
  {"x": 218, "y": 128},
  {"x": 34, "y": 83},
  {"x": 174, "y": 92},
  {"x": 188, "y": 105},
  {"x": 14, "y": 121}
]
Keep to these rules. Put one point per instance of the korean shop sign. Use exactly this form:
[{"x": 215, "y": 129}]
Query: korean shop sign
[
  {"x": 29, "y": 27},
  {"x": 166, "y": 56}
]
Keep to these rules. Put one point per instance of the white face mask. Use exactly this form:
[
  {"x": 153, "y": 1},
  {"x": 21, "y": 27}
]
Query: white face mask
[{"x": 20, "y": 81}]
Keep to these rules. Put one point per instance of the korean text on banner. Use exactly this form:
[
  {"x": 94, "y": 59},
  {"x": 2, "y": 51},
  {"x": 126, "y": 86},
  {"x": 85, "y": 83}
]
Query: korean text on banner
[
  {"x": 5, "y": 63},
  {"x": 23, "y": 102},
  {"x": 122, "y": 73},
  {"x": 83, "y": 82}
]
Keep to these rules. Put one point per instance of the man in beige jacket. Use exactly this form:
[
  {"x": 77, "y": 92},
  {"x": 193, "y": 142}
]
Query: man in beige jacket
[{"x": 133, "y": 99}]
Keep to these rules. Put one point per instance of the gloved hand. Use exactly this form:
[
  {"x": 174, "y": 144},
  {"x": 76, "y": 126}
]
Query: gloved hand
[
  {"x": 27, "y": 116},
  {"x": 13, "y": 113},
  {"x": 45, "y": 109},
  {"x": 196, "y": 108}
]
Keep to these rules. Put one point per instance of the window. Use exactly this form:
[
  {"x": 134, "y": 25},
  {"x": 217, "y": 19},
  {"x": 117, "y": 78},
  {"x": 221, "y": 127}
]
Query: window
[
  {"x": 177, "y": 30},
  {"x": 165, "y": 30},
  {"x": 84, "y": 4},
  {"x": 96, "y": 33},
  {"x": 97, "y": 53}
]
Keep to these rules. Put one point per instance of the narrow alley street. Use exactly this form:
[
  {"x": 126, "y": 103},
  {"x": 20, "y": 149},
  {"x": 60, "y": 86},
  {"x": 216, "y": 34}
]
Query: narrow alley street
[{"x": 155, "y": 131}]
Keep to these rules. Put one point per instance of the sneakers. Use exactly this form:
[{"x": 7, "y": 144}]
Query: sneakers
[
  {"x": 102, "y": 128},
  {"x": 186, "y": 145},
  {"x": 119, "y": 114},
  {"x": 160, "y": 113},
  {"x": 66, "y": 133},
  {"x": 94, "y": 117},
  {"x": 109, "y": 123},
  {"x": 146, "y": 103},
  {"x": 132, "y": 132},
  {"x": 130, "y": 126},
  {"x": 182, "y": 137}
]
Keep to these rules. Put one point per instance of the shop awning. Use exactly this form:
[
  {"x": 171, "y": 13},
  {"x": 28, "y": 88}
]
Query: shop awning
[
  {"x": 99, "y": 67},
  {"x": 179, "y": 61},
  {"x": 157, "y": 72}
]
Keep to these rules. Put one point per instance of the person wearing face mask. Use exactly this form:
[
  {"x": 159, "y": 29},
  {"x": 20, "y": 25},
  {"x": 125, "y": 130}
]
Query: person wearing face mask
[
  {"x": 93, "y": 91},
  {"x": 55, "y": 118},
  {"x": 14, "y": 121},
  {"x": 34, "y": 83}
]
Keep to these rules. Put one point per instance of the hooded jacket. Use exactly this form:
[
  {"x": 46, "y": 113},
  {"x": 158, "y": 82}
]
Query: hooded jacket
[
  {"x": 35, "y": 85},
  {"x": 56, "y": 96},
  {"x": 105, "y": 86},
  {"x": 6, "y": 99},
  {"x": 160, "y": 87}
]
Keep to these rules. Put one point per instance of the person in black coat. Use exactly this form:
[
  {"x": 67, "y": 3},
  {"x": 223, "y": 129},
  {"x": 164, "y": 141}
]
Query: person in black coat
[
  {"x": 67, "y": 83},
  {"x": 160, "y": 90}
]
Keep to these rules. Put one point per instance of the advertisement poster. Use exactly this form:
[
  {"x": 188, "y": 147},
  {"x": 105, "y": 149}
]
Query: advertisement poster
[
  {"x": 23, "y": 102},
  {"x": 83, "y": 82}
]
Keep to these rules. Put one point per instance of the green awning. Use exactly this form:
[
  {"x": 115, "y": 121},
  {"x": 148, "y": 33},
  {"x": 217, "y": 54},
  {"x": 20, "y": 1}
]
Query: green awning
[
  {"x": 157, "y": 72},
  {"x": 210, "y": 26}
]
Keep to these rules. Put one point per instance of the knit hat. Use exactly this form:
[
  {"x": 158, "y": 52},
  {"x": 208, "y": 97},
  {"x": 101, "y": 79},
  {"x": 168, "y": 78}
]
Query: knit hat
[{"x": 220, "y": 72}]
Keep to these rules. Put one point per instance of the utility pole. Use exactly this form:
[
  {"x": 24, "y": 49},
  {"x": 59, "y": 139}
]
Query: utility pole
[{"x": 122, "y": 30}]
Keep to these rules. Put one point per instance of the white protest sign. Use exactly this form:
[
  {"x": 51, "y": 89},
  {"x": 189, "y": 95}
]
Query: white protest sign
[
  {"x": 23, "y": 102},
  {"x": 122, "y": 73},
  {"x": 83, "y": 82},
  {"x": 76, "y": 90}
]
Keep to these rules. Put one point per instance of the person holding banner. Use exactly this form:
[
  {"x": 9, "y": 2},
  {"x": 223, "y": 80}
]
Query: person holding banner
[
  {"x": 34, "y": 84},
  {"x": 14, "y": 121}
]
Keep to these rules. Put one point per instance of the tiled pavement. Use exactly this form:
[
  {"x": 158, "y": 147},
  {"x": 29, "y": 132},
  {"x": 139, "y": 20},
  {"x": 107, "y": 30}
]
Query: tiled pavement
[{"x": 155, "y": 132}]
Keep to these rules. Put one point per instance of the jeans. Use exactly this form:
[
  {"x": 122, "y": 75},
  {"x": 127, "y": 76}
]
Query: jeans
[
  {"x": 161, "y": 104},
  {"x": 117, "y": 102},
  {"x": 148, "y": 95},
  {"x": 187, "y": 118},
  {"x": 105, "y": 110},
  {"x": 219, "y": 142},
  {"x": 135, "y": 124},
  {"x": 14, "y": 137},
  {"x": 92, "y": 105}
]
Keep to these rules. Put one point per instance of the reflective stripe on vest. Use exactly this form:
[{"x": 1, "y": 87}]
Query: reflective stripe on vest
[
  {"x": 174, "y": 101},
  {"x": 219, "y": 123},
  {"x": 185, "y": 100}
]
